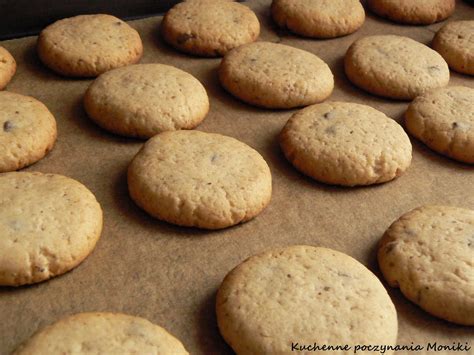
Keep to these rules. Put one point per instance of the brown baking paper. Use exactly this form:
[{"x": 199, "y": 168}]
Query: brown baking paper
[{"x": 169, "y": 274}]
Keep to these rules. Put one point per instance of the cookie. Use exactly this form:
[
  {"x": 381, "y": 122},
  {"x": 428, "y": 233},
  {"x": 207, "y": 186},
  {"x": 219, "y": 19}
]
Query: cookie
[
  {"x": 273, "y": 75},
  {"x": 280, "y": 300},
  {"x": 413, "y": 12},
  {"x": 88, "y": 45},
  {"x": 209, "y": 28},
  {"x": 7, "y": 67},
  {"x": 48, "y": 225},
  {"x": 346, "y": 144},
  {"x": 428, "y": 254},
  {"x": 455, "y": 42},
  {"x": 319, "y": 18},
  {"x": 102, "y": 333},
  {"x": 198, "y": 179},
  {"x": 27, "y": 131},
  {"x": 443, "y": 119},
  {"x": 395, "y": 67},
  {"x": 145, "y": 99}
]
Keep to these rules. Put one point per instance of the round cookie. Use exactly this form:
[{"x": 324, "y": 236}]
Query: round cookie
[
  {"x": 27, "y": 131},
  {"x": 273, "y": 75},
  {"x": 88, "y": 45},
  {"x": 428, "y": 254},
  {"x": 319, "y": 18},
  {"x": 303, "y": 295},
  {"x": 7, "y": 67},
  {"x": 455, "y": 42},
  {"x": 102, "y": 333},
  {"x": 395, "y": 67},
  {"x": 346, "y": 144},
  {"x": 145, "y": 99},
  {"x": 413, "y": 12},
  {"x": 443, "y": 119},
  {"x": 198, "y": 179},
  {"x": 48, "y": 225},
  {"x": 209, "y": 28}
]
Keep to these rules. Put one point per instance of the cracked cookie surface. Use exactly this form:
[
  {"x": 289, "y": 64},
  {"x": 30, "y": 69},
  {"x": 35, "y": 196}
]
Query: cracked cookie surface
[
  {"x": 455, "y": 42},
  {"x": 413, "y": 12},
  {"x": 48, "y": 225},
  {"x": 274, "y": 75},
  {"x": 443, "y": 119},
  {"x": 102, "y": 333},
  {"x": 7, "y": 67},
  {"x": 395, "y": 67},
  {"x": 428, "y": 253},
  {"x": 306, "y": 295},
  {"x": 197, "y": 179},
  {"x": 145, "y": 99},
  {"x": 88, "y": 45},
  {"x": 345, "y": 143},
  {"x": 319, "y": 18},
  {"x": 209, "y": 28},
  {"x": 27, "y": 131}
]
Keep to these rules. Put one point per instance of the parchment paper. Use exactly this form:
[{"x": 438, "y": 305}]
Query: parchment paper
[{"x": 170, "y": 275}]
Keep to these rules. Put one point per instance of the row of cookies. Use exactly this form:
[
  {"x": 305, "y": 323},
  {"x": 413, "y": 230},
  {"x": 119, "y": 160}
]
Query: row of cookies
[
  {"x": 279, "y": 300},
  {"x": 212, "y": 158}
]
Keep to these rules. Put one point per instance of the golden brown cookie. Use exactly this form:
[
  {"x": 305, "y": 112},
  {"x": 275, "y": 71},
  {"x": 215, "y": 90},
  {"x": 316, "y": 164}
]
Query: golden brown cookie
[
  {"x": 48, "y": 225},
  {"x": 394, "y": 66},
  {"x": 346, "y": 144},
  {"x": 27, "y": 131},
  {"x": 7, "y": 67},
  {"x": 274, "y": 75},
  {"x": 88, "y": 45},
  {"x": 443, "y": 119},
  {"x": 319, "y": 18},
  {"x": 429, "y": 254},
  {"x": 198, "y": 179},
  {"x": 278, "y": 301},
  {"x": 145, "y": 99},
  {"x": 102, "y": 333},
  {"x": 455, "y": 42},
  {"x": 413, "y": 12},
  {"x": 209, "y": 28}
]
